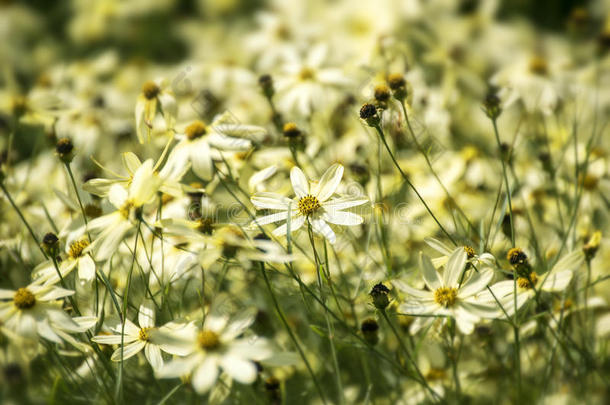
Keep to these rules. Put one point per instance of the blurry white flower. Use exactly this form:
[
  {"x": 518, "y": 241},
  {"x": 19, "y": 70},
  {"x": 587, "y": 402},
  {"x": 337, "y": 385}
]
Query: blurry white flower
[
  {"x": 147, "y": 337},
  {"x": 155, "y": 97},
  {"x": 201, "y": 144},
  {"x": 35, "y": 310},
  {"x": 219, "y": 345}
]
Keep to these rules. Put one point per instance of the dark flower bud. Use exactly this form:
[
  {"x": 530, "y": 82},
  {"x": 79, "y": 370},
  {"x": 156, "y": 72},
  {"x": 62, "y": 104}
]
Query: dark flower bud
[
  {"x": 291, "y": 130},
  {"x": 398, "y": 84},
  {"x": 50, "y": 244},
  {"x": 65, "y": 150},
  {"x": 368, "y": 112},
  {"x": 266, "y": 84},
  {"x": 379, "y": 293},
  {"x": 491, "y": 106},
  {"x": 150, "y": 90},
  {"x": 369, "y": 329}
]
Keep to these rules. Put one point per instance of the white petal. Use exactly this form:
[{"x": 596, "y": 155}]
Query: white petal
[
  {"x": 201, "y": 160},
  {"x": 146, "y": 316},
  {"x": 205, "y": 375},
  {"x": 267, "y": 219},
  {"x": 343, "y": 203},
  {"x": 228, "y": 142},
  {"x": 270, "y": 201},
  {"x": 110, "y": 339},
  {"x": 86, "y": 268},
  {"x": 117, "y": 195},
  {"x": 296, "y": 223},
  {"x": 343, "y": 218},
  {"x": 411, "y": 291},
  {"x": 556, "y": 282},
  {"x": 438, "y": 246},
  {"x": 299, "y": 182},
  {"x": 329, "y": 182},
  {"x": 243, "y": 371},
  {"x": 455, "y": 267},
  {"x": 322, "y": 228},
  {"x": 153, "y": 355},
  {"x": 131, "y": 162},
  {"x": 128, "y": 351},
  {"x": 477, "y": 282},
  {"x": 429, "y": 272}
]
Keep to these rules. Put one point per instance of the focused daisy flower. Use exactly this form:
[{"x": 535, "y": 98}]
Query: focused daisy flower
[
  {"x": 77, "y": 258},
  {"x": 155, "y": 96},
  {"x": 202, "y": 144},
  {"x": 312, "y": 203},
  {"x": 35, "y": 310},
  {"x": 452, "y": 295},
  {"x": 147, "y": 337},
  {"x": 219, "y": 345}
]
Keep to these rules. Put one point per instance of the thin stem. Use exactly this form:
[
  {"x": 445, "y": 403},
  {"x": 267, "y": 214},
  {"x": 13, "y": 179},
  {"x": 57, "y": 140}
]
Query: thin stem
[
  {"x": 291, "y": 333},
  {"x": 406, "y": 179},
  {"x": 508, "y": 195},
  {"x": 421, "y": 378},
  {"x": 328, "y": 323},
  {"x": 27, "y": 225}
]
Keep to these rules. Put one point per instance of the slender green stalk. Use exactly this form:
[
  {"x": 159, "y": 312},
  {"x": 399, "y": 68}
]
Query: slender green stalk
[
  {"x": 328, "y": 323},
  {"x": 420, "y": 377},
  {"x": 508, "y": 193},
  {"x": 25, "y": 222},
  {"x": 406, "y": 179},
  {"x": 280, "y": 313},
  {"x": 429, "y": 163},
  {"x": 119, "y": 387}
]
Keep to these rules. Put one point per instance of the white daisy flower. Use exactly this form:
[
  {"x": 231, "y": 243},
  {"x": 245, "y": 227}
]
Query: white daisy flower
[
  {"x": 115, "y": 225},
  {"x": 155, "y": 96},
  {"x": 76, "y": 258},
  {"x": 312, "y": 203},
  {"x": 36, "y": 310},
  {"x": 147, "y": 337},
  {"x": 201, "y": 144},
  {"x": 452, "y": 295},
  {"x": 555, "y": 280},
  {"x": 218, "y": 345}
]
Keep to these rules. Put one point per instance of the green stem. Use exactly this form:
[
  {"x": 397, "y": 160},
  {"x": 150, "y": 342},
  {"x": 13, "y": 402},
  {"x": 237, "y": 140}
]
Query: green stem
[
  {"x": 27, "y": 225},
  {"x": 406, "y": 179},
  {"x": 291, "y": 333},
  {"x": 508, "y": 194}
]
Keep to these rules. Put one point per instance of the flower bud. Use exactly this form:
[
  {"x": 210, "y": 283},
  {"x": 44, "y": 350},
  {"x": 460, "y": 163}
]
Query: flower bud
[
  {"x": 65, "y": 150},
  {"x": 291, "y": 130},
  {"x": 379, "y": 293},
  {"x": 398, "y": 84},
  {"x": 266, "y": 84},
  {"x": 369, "y": 329},
  {"x": 491, "y": 106},
  {"x": 368, "y": 112},
  {"x": 591, "y": 247},
  {"x": 50, "y": 244}
]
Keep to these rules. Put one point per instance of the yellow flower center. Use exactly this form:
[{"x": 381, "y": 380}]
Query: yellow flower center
[
  {"x": 126, "y": 209},
  {"x": 144, "y": 334},
  {"x": 150, "y": 90},
  {"x": 308, "y": 205},
  {"x": 538, "y": 66},
  {"x": 195, "y": 130},
  {"x": 24, "y": 299},
  {"x": 306, "y": 74},
  {"x": 76, "y": 248},
  {"x": 445, "y": 296},
  {"x": 528, "y": 282},
  {"x": 208, "y": 340},
  {"x": 469, "y": 251}
]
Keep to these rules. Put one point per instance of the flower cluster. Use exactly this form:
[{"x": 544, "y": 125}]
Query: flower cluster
[{"x": 397, "y": 202}]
